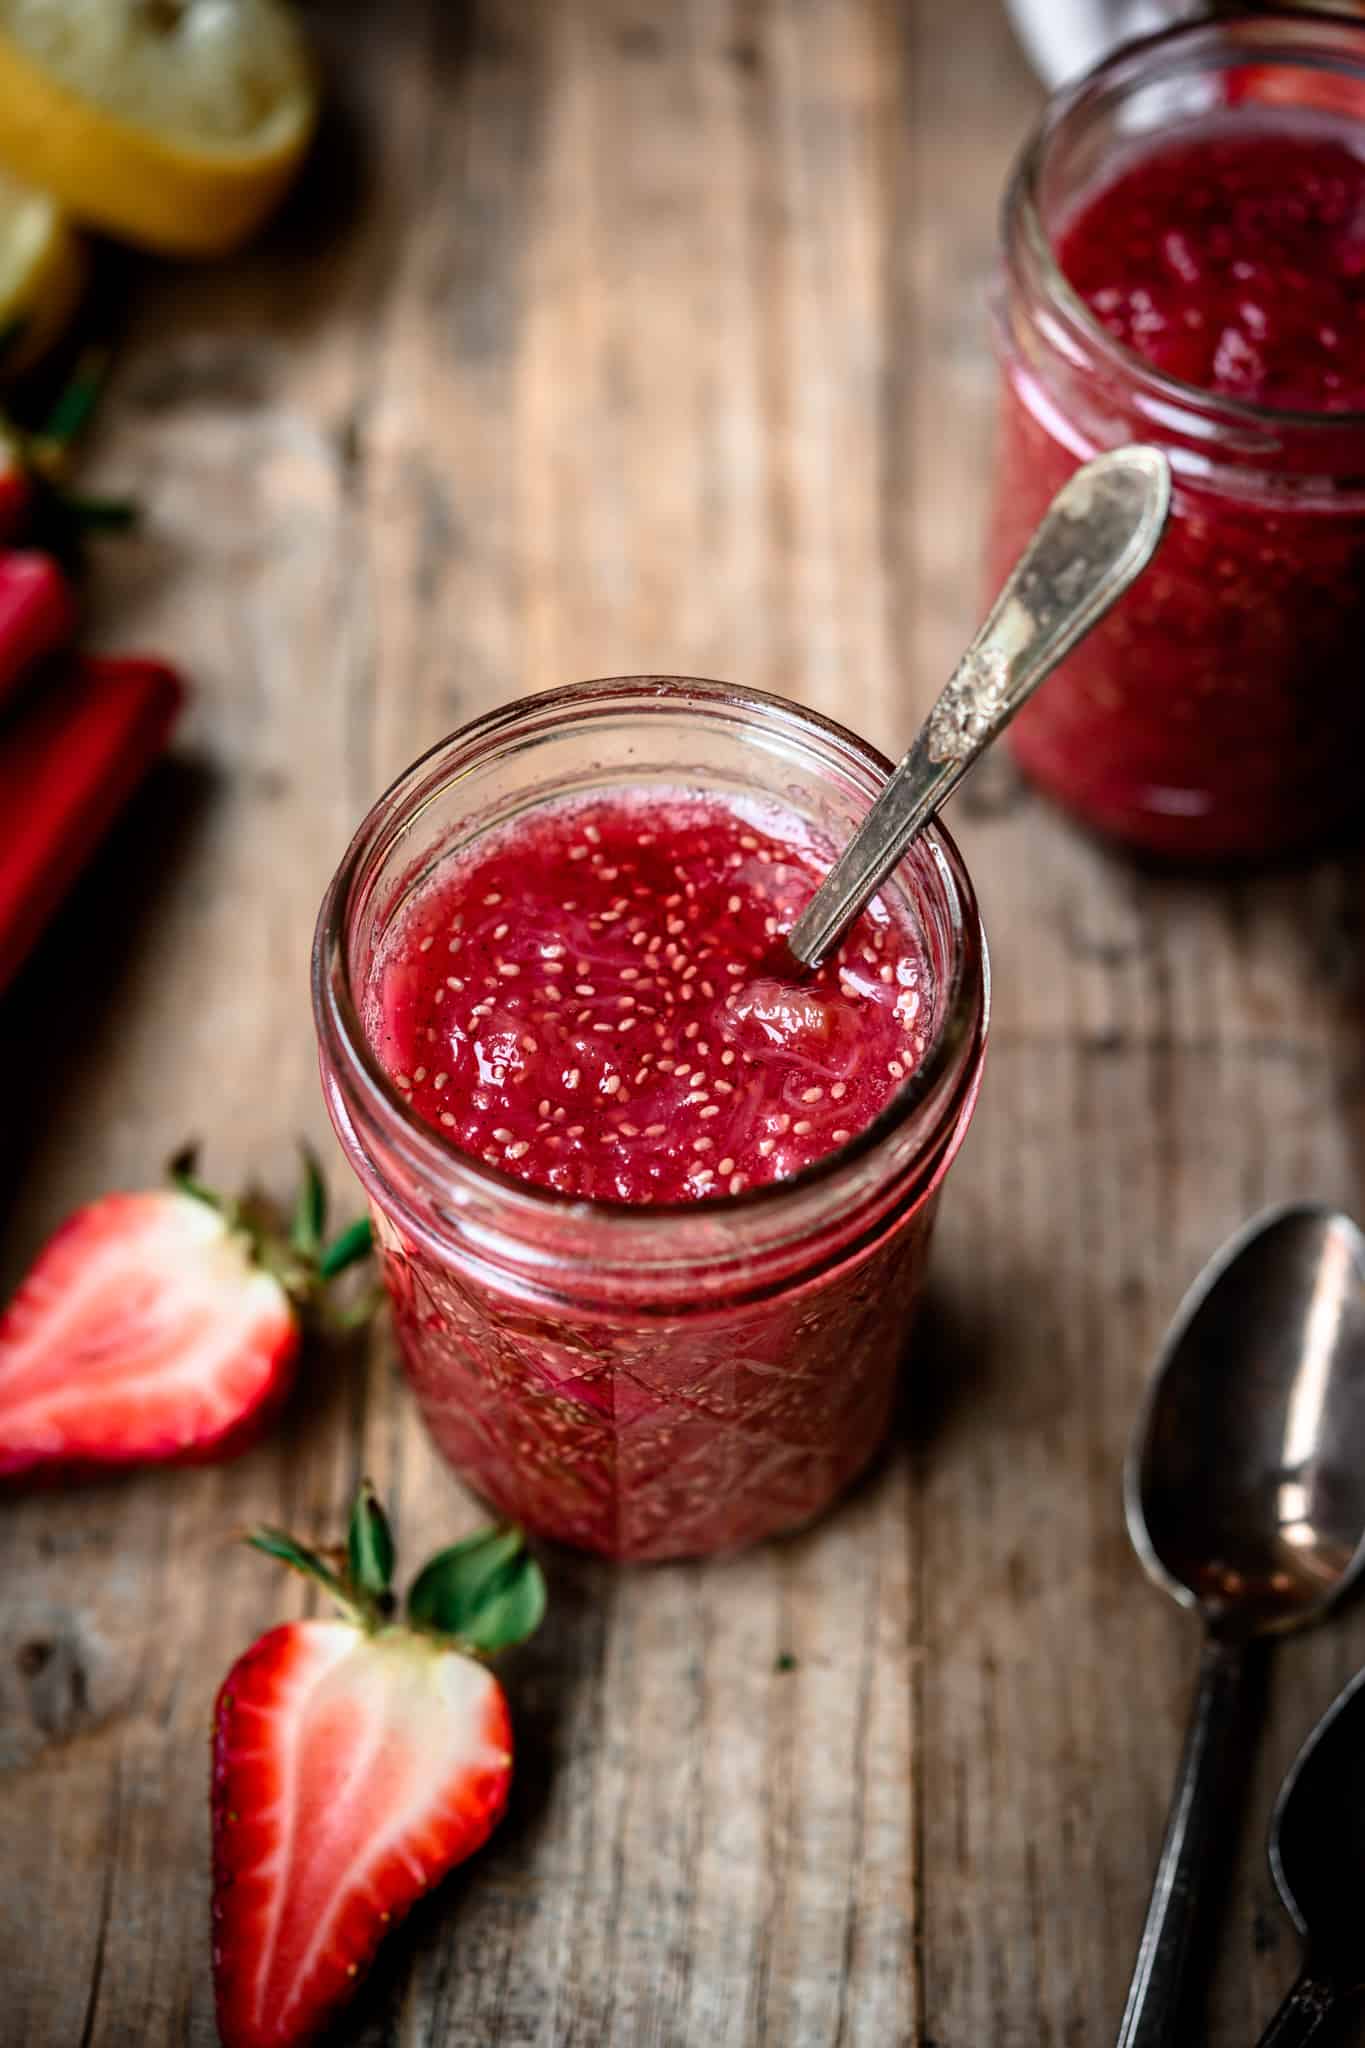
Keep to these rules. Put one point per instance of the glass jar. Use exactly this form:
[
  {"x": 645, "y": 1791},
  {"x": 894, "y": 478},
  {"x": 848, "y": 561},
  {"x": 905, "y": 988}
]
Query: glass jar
[
  {"x": 665, "y": 1381},
  {"x": 1217, "y": 712}
]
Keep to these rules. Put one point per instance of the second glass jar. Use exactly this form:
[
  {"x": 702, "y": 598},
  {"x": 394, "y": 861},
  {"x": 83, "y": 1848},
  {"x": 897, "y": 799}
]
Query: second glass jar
[{"x": 1217, "y": 713}]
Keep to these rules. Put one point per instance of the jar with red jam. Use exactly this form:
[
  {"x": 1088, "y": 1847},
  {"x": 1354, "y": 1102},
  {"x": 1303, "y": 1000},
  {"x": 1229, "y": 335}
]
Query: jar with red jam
[
  {"x": 653, "y": 1209},
  {"x": 1184, "y": 263}
]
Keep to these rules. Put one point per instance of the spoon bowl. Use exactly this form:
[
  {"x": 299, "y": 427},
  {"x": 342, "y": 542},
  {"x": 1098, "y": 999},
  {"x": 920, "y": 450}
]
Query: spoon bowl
[
  {"x": 1317, "y": 1838},
  {"x": 1245, "y": 1490},
  {"x": 1245, "y": 1496},
  {"x": 1317, "y": 1858}
]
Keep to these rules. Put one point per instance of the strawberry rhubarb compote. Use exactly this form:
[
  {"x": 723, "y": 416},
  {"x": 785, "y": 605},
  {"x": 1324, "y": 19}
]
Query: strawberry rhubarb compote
[
  {"x": 653, "y": 1205},
  {"x": 598, "y": 1002},
  {"x": 1185, "y": 264}
]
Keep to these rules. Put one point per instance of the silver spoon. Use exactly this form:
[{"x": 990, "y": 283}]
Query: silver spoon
[
  {"x": 1317, "y": 1857},
  {"x": 1096, "y": 537},
  {"x": 1245, "y": 1493}
]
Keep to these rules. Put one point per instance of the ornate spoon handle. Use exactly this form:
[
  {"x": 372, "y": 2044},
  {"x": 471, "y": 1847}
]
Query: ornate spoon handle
[
  {"x": 1305, "y": 2009},
  {"x": 1156, "y": 1994},
  {"x": 1096, "y": 537}
]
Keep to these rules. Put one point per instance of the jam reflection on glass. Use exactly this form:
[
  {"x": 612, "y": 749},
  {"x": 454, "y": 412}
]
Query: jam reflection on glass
[
  {"x": 594, "y": 1001},
  {"x": 1217, "y": 712}
]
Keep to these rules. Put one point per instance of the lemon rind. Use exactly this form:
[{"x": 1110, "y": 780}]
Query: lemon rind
[{"x": 178, "y": 197}]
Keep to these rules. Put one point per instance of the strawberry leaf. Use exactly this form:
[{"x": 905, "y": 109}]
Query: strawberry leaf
[
  {"x": 369, "y": 1545},
  {"x": 457, "y": 1575},
  {"x": 354, "y": 1244},
  {"x": 98, "y": 515},
  {"x": 182, "y": 1170},
  {"x": 76, "y": 401},
  {"x": 488, "y": 1591},
  {"x": 512, "y": 1607},
  {"x": 277, "y": 1544},
  {"x": 309, "y": 1220}
]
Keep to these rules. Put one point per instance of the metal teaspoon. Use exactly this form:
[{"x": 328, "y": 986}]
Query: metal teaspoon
[
  {"x": 1245, "y": 1494},
  {"x": 1317, "y": 1858},
  {"x": 1096, "y": 537}
]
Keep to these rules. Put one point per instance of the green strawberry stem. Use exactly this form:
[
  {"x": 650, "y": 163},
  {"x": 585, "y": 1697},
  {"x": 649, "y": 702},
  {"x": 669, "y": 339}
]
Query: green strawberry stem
[
  {"x": 369, "y": 1545},
  {"x": 76, "y": 402},
  {"x": 278, "y": 1544},
  {"x": 354, "y": 1242},
  {"x": 97, "y": 514},
  {"x": 58, "y": 520},
  {"x": 480, "y": 1596},
  {"x": 310, "y": 1208},
  {"x": 297, "y": 1257},
  {"x": 181, "y": 1172}
]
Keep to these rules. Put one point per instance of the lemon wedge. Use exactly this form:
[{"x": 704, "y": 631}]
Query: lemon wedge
[
  {"x": 173, "y": 123},
  {"x": 42, "y": 274}
]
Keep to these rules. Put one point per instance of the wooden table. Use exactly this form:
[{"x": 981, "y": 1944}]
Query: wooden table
[{"x": 609, "y": 338}]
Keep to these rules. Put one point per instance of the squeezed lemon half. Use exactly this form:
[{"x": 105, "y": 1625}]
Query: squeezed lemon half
[{"x": 173, "y": 123}]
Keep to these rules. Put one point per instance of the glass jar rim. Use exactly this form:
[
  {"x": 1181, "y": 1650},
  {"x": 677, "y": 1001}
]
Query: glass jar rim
[
  {"x": 962, "y": 1026},
  {"x": 1264, "y": 38}
]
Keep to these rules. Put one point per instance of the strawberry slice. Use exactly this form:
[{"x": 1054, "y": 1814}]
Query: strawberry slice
[
  {"x": 159, "y": 1326},
  {"x": 355, "y": 1762}
]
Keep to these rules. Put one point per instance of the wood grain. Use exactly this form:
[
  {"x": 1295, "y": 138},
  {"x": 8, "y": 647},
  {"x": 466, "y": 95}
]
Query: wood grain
[{"x": 644, "y": 337}]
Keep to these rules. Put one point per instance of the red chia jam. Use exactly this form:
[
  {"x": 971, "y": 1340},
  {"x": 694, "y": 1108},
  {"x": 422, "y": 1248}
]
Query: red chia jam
[
  {"x": 597, "y": 1003},
  {"x": 594, "y": 1002},
  {"x": 1202, "y": 287}
]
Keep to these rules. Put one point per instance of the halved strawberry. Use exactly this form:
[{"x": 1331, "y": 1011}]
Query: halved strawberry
[
  {"x": 355, "y": 1762},
  {"x": 159, "y": 1326}
]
